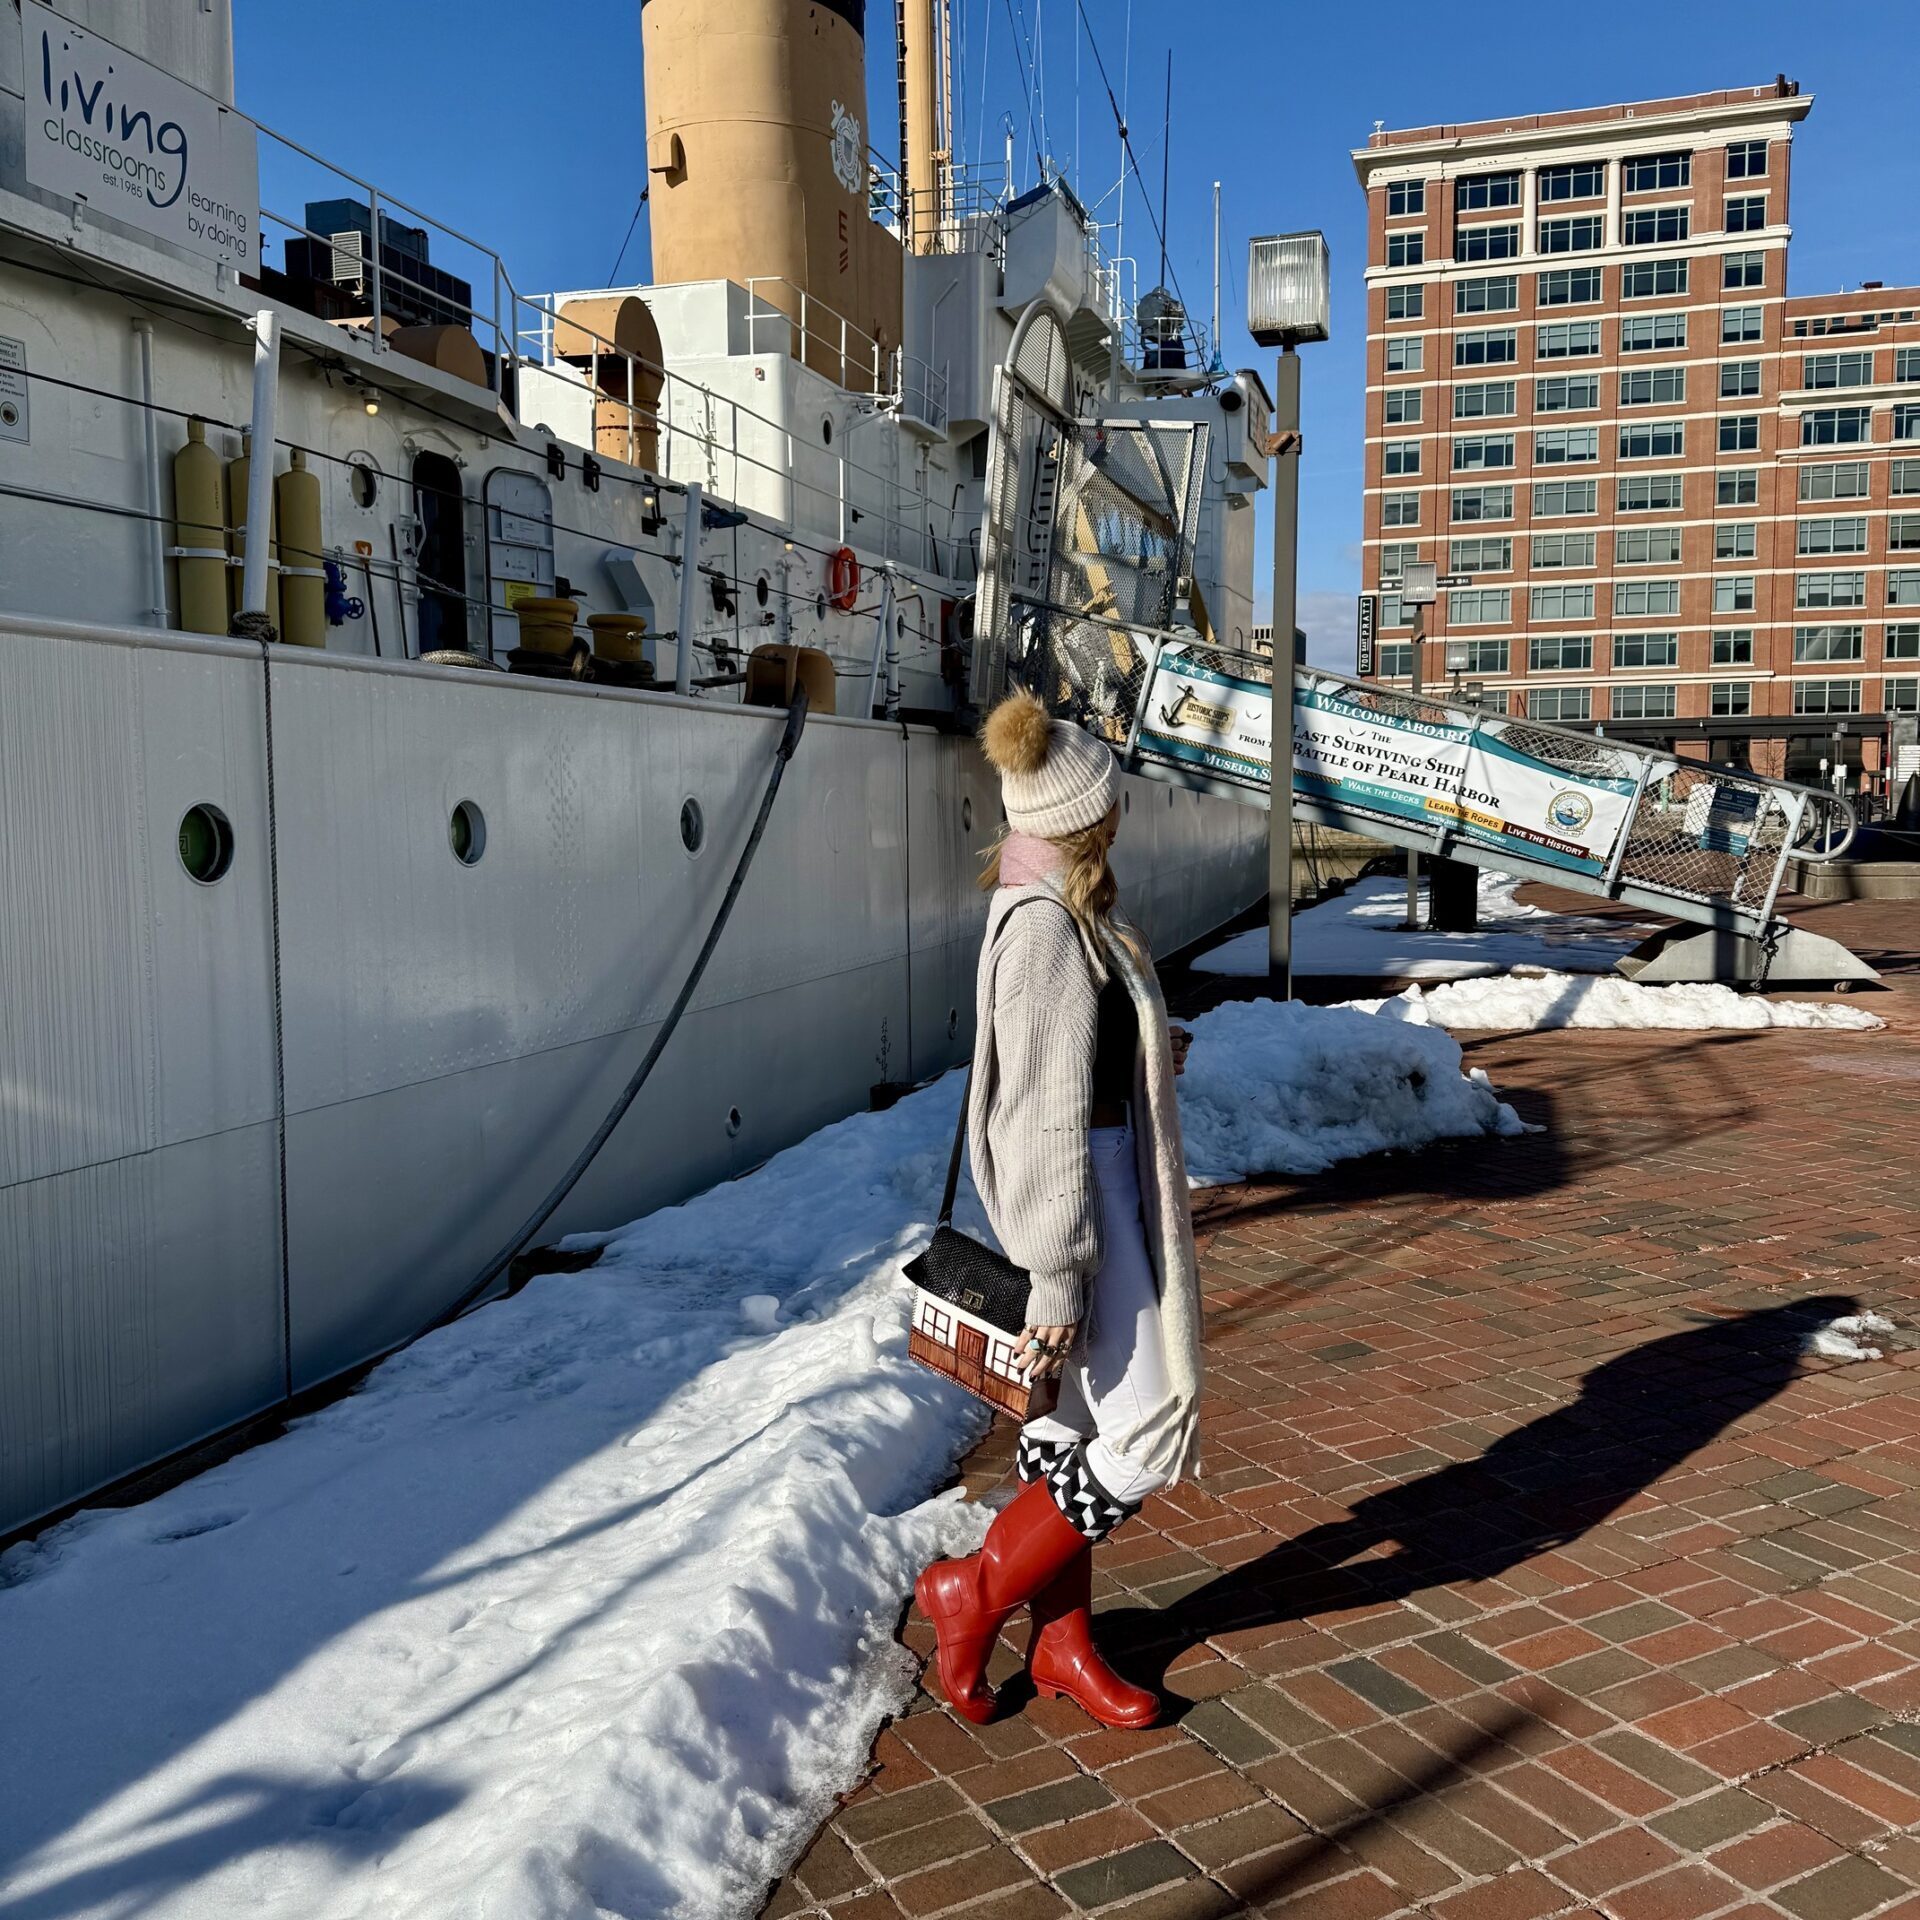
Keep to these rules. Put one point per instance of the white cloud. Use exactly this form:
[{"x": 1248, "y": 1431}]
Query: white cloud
[{"x": 1327, "y": 619}]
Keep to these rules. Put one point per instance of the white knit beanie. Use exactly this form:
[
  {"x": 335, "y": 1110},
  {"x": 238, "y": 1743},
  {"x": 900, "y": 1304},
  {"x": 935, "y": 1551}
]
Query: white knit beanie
[{"x": 1054, "y": 779}]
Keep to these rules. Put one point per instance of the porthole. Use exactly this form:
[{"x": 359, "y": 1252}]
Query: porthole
[
  {"x": 362, "y": 483},
  {"x": 760, "y": 590},
  {"x": 467, "y": 833},
  {"x": 820, "y": 607},
  {"x": 206, "y": 843},
  {"x": 734, "y": 1123},
  {"x": 826, "y": 431},
  {"x": 966, "y": 813},
  {"x": 1126, "y": 803},
  {"x": 899, "y": 626},
  {"x": 693, "y": 826},
  {"x": 953, "y": 1023}
]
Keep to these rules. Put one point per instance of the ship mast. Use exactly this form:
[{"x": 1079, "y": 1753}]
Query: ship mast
[{"x": 925, "y": 33}]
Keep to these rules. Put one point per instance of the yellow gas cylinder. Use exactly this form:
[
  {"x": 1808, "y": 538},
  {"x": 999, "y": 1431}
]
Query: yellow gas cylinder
[
  {"x": 546, "y": 625},
  {"x": 200, "y": 531},
  {"x": 239, "y": 473},
  {"x": 303, "y": 580}
]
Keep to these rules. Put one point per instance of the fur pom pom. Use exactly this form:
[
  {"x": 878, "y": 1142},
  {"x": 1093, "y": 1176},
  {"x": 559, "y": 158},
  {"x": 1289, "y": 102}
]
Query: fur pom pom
[{"x": 1017, "y": 735}]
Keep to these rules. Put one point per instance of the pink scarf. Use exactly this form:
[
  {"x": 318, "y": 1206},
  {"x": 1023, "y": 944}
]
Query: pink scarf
[{"x": 1025, "y": 858}]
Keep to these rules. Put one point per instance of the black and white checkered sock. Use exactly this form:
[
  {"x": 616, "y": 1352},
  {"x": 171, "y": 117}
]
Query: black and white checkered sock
[
  {"x": 1035, "y": 1458},
  {"x": 1084, "y": 1501}
]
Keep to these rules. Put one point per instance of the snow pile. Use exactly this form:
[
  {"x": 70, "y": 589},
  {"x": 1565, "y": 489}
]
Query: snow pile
[
  {"x": 1540, "y": 1001},
  {"x": 1841, "y": 1339},
  {"x": 584, "y": 1605},
  {"x": 1359, "y": 933},
  {"x": 1277, "y": 1087}
]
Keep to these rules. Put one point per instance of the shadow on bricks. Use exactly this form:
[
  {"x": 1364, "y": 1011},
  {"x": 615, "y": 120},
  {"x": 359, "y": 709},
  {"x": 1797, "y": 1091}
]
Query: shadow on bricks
[{"x": 1541, "y": 1486}]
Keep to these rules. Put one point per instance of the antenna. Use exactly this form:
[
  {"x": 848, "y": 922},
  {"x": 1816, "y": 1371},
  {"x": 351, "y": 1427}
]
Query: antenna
[
  {"x": 1216, "y": 272},
  {"x": 1166, "y": 141}
]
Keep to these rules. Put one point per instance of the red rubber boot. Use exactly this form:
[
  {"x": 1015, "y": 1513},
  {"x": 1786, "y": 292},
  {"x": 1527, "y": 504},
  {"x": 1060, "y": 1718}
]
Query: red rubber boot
[
  {"x": 968, "y": 1600},
  {"x": 1061, "y": 1657}
]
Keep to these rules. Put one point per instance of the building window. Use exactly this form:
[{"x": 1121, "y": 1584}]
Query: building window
[
  {"x": 1407, "y": 354},
  {"x": 1492, "y": 347},
  {"x": 1560, "y": 703},
  {"x": 1839, "y": 533},
  {"x": 1400, "y": 510},
  {"x": 1406, "y": 198},
  {"x": 1739, "y": 325},
  {"x": 1479, "y": 606},
  {"x": 1733, "y": 593},
  {"x": 1401, "y": 457},
  {"x": 1574, "y": 233},
  {"x": 1563, "y": 549},
  {"x": 1486, "y": 243},
  {"x": 1733, "y": 648},
  {"x": 1406, "y": 249},
  {"x": 1903, "y": 642},
  {"x": 1903, "y": 587},
  {"x": 1567, "y": 393},
  {"x": 1747, "y": 214},
  {"x": 1646, "y": 547},
  {"x": 1650, "y": 493},
  {"x": 1739, "y": 433},
  {"x": 1402, "y": 407},
  {"x": 1826, "y": 696},
  {"x": 1486, "y": 656},
  {"x": 1653, "y": 226},
  {"x": 1906, "y": 421},
  {"x": 1834, "y": 480},
  {"x": 1734, "y": 540},
  {"x": 1730, "y": 698},
  {"x": 1492, "y": 293},
  {"x": 1743, "y": 270},
  {"x": 1651, "y": 172},
  {"x": 1645, "y": 596},
  {"x": 1565, "y": 446},
  {"x": 1906, "y": 363},
  {"x": 1654, "y": 387},
  {"x": 1643, "y": 703},
  {"x": 1646, "y": 650},
  {"x": 1901, "y": 696},
  {"x": 1481, "y": 451},
  {"x": 1560, "y": 653},
  {"x": 1903, "y": 477},
  {"x": 1583, "y": 180},
  {"x": 1487, "y": 555},
  {"x": 1552, "y": 498},
  {"x": 1835, "y": 426},
  {"x": 1653, "y": 332},
  {"x": 1567, "y": 287},
  {"x": 1396, "y": 660},
  {"x": 1747, "y": 160},
  {"x": 1484, "y": 400},
  {"x": 1406, "y": 303},
  {"x": 1475, "y": 192},
  {"x": 1836, "y": 370},
  {"x": 1566, "y": 339},
  {"x": 1739, "y": 379},
  {"x": 1736, "y": 487},
  {"x": 1650, "y": 279},
  {"x": 1394, "y": 612},
  {"x": 1396, "y": 556},
  {"x": 1903, "y": 532},
  {"x": 1482, "y": 503},
  {"x": 1830, "y": 590},
  {"x": 1653, "y": 440}
]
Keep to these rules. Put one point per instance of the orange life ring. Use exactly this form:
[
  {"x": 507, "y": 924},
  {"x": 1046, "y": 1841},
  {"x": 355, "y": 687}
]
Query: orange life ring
[{"x": 843, "y": 579}]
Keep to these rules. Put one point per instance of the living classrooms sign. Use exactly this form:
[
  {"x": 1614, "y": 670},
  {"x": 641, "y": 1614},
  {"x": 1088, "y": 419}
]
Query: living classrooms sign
[
  {"x": 136, "y": 144},
  {"x": 1471, "y": 782}
]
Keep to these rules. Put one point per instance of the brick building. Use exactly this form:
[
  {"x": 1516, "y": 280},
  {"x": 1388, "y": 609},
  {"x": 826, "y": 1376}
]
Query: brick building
[{"x": 1689, "y": 502}]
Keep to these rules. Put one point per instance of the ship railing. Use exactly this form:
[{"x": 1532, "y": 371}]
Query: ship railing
[
  {"x": 783, "y": 318},
  {"x": 965, "y": 214}
]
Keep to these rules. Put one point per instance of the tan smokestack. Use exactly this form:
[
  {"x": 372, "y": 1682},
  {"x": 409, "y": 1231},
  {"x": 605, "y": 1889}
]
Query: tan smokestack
[{"x": 757, "y": 161}]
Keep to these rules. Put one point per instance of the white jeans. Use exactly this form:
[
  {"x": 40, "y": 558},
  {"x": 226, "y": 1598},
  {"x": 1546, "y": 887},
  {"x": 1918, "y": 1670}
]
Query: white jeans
[{"x": 1118, "y": 1367}]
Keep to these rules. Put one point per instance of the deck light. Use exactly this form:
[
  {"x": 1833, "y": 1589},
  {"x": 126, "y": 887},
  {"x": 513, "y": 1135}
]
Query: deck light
[{"x": 1287, "y": 289}]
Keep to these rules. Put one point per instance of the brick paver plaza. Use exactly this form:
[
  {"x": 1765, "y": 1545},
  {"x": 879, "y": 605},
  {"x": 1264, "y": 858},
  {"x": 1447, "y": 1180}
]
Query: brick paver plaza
[{"x": 1535, "y": 1569}]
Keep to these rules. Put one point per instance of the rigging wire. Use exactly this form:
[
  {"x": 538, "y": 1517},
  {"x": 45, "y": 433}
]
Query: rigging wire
[
  {"x": 1024, "y": 39},
  {"x": 613, "y": 273}
]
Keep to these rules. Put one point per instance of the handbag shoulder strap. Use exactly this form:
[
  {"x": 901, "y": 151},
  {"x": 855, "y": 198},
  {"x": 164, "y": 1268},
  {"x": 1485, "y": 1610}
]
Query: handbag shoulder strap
[{"x": 952, "y": 1192}]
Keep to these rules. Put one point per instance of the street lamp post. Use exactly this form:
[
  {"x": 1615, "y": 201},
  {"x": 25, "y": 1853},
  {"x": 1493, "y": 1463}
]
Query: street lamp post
[{"x": 1287, "y": 300}]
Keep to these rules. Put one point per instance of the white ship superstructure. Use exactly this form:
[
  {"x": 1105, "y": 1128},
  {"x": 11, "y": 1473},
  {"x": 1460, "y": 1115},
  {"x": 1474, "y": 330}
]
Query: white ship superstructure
[{"x": 321, "y": 955}]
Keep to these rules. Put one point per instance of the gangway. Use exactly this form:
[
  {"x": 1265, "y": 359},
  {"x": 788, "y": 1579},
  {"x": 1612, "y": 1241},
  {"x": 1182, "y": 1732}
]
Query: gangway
[{"x": 1088, "y": 534}]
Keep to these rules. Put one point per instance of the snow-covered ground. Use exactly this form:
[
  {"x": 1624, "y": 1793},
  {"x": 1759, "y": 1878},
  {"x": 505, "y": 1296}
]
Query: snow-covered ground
[
  {"x": 1359, "y": 933},
  {"x": 1526, "y": 1003},
  {"x": 584, "y": 1605}
]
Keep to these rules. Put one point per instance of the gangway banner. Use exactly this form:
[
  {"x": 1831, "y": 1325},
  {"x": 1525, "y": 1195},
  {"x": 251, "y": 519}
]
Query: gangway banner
[{"x": 1469, "y": 779}]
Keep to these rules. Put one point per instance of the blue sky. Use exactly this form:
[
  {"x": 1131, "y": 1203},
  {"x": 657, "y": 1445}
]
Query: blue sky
[{"x": 523, "y": 126}]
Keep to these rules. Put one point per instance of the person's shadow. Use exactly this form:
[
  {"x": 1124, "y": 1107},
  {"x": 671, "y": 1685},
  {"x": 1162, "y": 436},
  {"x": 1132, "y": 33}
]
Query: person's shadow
[{"x": 1542, "y": 1485}]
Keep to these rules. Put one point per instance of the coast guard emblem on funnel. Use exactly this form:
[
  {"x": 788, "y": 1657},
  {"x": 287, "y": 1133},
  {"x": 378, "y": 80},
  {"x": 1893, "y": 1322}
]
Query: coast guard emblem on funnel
[{"x": 848, "y": 167}]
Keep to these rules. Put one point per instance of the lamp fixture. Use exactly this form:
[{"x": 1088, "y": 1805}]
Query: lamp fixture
[{"x": 1288, "y": 276}]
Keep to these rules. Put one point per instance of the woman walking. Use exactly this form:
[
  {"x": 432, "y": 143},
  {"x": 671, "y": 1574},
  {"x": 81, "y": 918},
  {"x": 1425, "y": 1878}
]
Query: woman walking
[{"x": 1075, "y": 1140}]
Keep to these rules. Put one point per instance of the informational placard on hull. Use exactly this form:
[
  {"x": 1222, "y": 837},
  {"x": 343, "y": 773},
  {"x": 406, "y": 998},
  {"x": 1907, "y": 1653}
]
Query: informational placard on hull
[
  {"x": 131, "y": 141},
  {"x": 1472, "y": 781}
]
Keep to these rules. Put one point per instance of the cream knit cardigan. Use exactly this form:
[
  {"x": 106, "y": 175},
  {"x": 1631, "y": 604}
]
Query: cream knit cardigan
[{"x": 1037, "y": 1010}]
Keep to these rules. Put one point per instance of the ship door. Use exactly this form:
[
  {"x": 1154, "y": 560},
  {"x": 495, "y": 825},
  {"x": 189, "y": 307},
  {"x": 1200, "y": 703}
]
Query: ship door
[
  {"x": 439, "y": 509},
  {"x": 970, "y": 1347}
]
